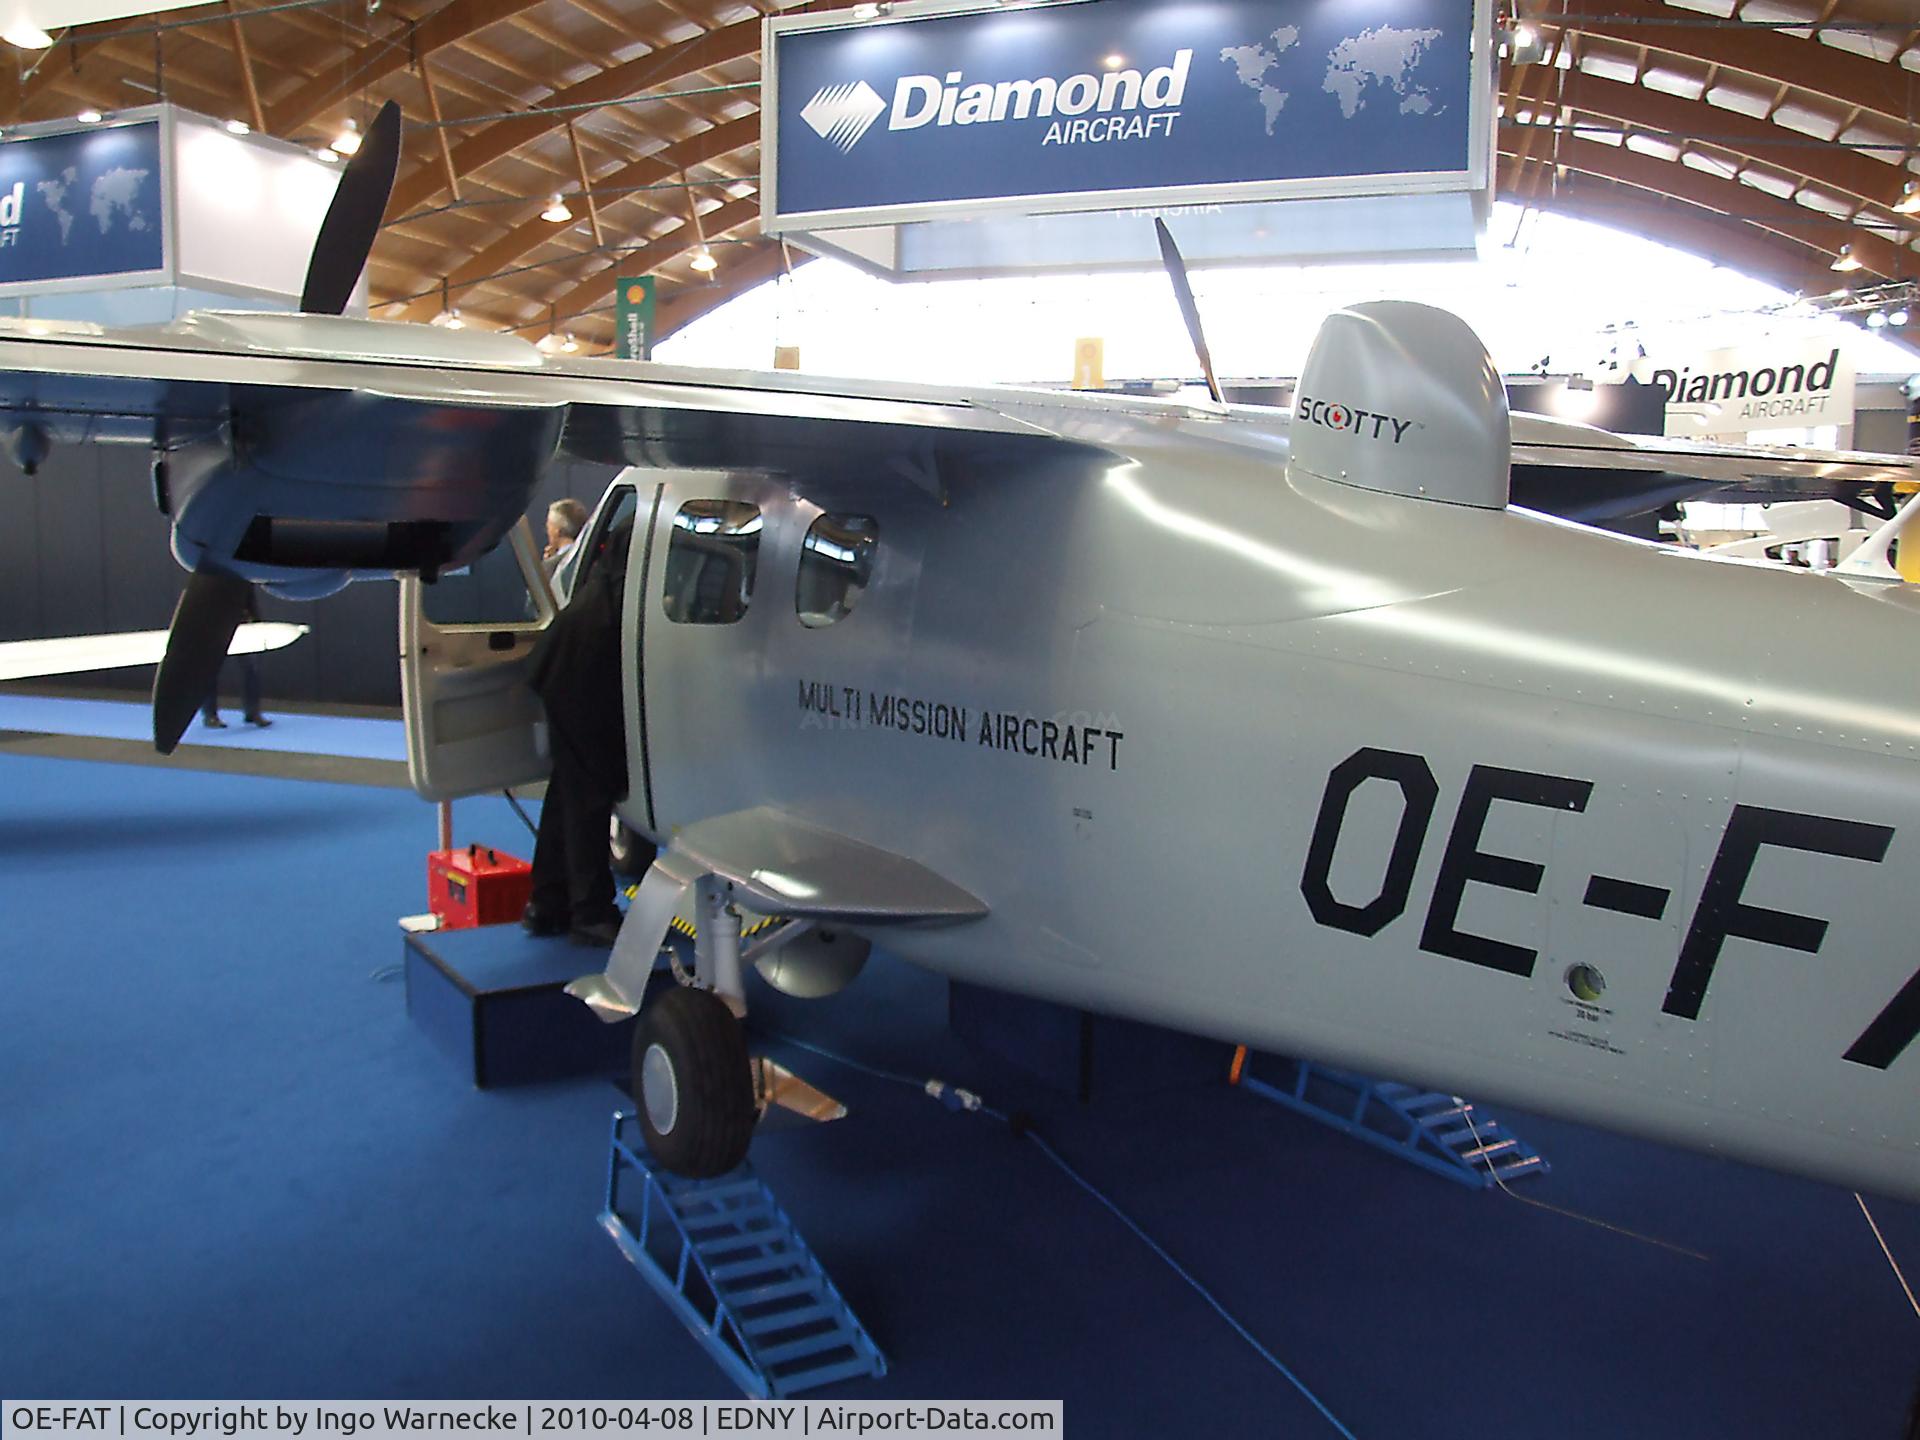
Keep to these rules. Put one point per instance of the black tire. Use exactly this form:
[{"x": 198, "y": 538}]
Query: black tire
[
  {"x": 628, "y": 851},
  {"x": 691, "y": 1050}
]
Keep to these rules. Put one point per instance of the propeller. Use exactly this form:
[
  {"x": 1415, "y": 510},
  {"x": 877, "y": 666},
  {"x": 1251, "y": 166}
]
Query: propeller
[
  {"x": 353, "y": 219},
  {"x": 216, "y": 601},
  {"x": 210, "y": 610},
  {"x": 1190, "y": 312}
]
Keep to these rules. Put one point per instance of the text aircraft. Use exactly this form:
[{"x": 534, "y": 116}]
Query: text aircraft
[{"x": 1280, "y": 728}]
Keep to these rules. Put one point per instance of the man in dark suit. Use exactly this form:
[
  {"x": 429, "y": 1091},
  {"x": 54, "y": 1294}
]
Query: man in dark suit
[{"x": 576, "y": 673}]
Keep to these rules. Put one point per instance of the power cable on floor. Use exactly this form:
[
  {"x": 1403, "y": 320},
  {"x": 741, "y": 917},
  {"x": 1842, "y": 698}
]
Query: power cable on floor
[
  {"x": 956, "y": 1098},
  {"x": 1897, "y": 1274},
  {"x": 1467, "y": 1115},
  {"x": 532, "y": 829}
]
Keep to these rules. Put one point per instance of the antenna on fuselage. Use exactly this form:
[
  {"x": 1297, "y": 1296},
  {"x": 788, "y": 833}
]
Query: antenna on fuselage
[{"x": 1190, "y": 312}]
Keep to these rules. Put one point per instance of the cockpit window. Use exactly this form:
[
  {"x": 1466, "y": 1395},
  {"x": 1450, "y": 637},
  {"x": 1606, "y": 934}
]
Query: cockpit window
[
  {"x": 836, "y": 562},
  {"x": 614, "y": 527},
  {"x": 712, "y": 554}
]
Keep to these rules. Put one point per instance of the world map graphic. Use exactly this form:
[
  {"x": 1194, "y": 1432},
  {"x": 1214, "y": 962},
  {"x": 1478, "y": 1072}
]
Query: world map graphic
[
  {"x": 1381, "y": 60},
  {"x": 112, "y": 199}
]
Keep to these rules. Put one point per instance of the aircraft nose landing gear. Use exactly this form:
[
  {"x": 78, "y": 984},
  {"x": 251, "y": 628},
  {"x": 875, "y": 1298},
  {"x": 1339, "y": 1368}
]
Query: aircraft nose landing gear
[{"x": 693, "y": 1083}]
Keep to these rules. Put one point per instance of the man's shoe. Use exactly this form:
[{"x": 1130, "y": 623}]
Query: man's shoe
[
  {"x": 214, "y": 722},
  {"x": 259, "y": 721},
  {"x": 538, "y": 919},
  {"x": 595, "y": 935}
]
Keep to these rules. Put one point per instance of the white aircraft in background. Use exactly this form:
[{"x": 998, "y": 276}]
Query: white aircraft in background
[
  {"x": 1281, "y": 728},
  {"x": 79, "y": 654}
]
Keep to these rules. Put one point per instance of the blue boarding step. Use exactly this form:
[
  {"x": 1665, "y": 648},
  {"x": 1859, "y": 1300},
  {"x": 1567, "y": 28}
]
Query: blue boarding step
[
  {"x": 729, "y": 1263},
  {"x": 1440, "y": 1133}
]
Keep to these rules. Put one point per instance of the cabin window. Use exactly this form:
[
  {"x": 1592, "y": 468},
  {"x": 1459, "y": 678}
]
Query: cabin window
[
  {"x": 836, "y": 561},
  {"x": 712, "y": 554}
]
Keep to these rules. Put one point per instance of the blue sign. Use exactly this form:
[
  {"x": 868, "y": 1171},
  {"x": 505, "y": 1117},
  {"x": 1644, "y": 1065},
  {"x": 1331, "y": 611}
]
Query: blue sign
[
  {"x": 81, "y": 204},
  {"x": 1119, "y": 95}
]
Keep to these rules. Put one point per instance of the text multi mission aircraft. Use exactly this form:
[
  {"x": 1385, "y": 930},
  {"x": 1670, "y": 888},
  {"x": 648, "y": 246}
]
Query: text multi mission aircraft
[{"x": 1278, "y": 728}]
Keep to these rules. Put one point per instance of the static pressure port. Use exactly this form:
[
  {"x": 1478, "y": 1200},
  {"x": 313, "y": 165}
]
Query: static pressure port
[{"x": 1586, "y": 983}]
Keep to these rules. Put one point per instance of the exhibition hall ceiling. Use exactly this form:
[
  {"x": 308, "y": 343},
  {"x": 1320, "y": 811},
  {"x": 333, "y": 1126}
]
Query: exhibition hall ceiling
[{"x": 1767, "y": 134}]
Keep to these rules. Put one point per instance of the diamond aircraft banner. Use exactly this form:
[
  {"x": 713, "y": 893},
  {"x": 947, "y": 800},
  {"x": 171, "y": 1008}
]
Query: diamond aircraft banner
[{"x": 1119, "y": 96}]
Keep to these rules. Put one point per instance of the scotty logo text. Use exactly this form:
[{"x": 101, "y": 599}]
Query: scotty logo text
[{"x": 1336, "y": 416}]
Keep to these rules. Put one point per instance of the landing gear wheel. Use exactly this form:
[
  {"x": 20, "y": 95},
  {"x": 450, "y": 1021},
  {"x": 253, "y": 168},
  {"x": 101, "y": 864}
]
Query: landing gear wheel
[
  {"x": 629, "y": 852},
  {"x": 693, "y": 1083}
]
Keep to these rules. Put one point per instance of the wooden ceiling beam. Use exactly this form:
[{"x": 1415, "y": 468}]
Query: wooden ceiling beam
[
  {"x": 1712, "y": 237},
  {"x": 385, "y": 55},
  {"x": 256, "y": 113},
  {"x": 1779, "y": 59},
  {"x": 1731, "y": 198},
  {"x": 1759, "y": 141},
  {"x": 620, "y": 82},
  {"x": 689, "y": 302},
  {"x": 530, "y": 234},
  {"x": 587, "y": 293}
]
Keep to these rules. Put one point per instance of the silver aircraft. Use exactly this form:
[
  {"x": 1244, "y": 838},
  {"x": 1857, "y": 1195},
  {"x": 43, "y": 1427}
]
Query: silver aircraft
[{"x": 1278, "y": 727}]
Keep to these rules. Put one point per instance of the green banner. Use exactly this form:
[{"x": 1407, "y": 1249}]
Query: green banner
[{"x": 633, "y": 315}]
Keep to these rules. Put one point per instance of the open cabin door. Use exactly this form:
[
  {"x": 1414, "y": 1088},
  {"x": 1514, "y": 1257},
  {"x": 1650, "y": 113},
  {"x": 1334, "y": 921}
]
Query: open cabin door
[{"x": 473, "y": 722}]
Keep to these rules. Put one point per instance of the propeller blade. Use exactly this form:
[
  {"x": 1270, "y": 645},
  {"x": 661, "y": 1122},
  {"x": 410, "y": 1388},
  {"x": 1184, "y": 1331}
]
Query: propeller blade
[
  {"x": 210, "y": 610},
  {"x": 1190, "y": 312},
  {"x": 353, "y": 219}
]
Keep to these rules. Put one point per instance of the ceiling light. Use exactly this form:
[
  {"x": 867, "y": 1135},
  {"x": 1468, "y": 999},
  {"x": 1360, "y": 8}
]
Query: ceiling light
[
  {"x": 1897, "y": 318},
  {"x": 1114, "y": 62},
  {"x": 871, "y": 11},
  {"x": 1909, "y": 201},
  {"x": 703, "y": 261},
  {"x": 1525, "y": 47},
  {"x": 347, "y": 142},
  {"x": 239, "y": 127},
  {"x": 547, "y": 343},
  {"x": 1876, "y": 321},
  {"x": 557, "y": 211},
  {"x": 449, "y": 319},
  {"x": 89, "y": 117},
  {"x": 23, "y": 34},
  {"x": 327, "y": 155},
  {"x": 569, "y": 344},
  {"x": 1845, "y": 260}
]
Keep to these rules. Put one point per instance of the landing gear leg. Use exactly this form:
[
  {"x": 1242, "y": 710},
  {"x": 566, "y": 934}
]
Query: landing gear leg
[{"x": 691, "y": 1074}]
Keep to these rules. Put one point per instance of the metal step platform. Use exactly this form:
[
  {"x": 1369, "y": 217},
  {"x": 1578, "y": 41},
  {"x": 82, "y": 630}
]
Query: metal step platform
[
  {"x": 1441, "y": 1133},
  {"x": 728, "y": 1262}
]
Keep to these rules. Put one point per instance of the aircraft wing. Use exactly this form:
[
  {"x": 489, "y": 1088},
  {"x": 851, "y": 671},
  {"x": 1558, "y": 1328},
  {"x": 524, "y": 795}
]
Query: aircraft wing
[
  {"x": 72, "y": 655},
  {"x": 200, "y": 377},
  {"x": 777, "y": 864},
  {"x": 1586, "y": 473},
  {"x": 784, "y": 866}
]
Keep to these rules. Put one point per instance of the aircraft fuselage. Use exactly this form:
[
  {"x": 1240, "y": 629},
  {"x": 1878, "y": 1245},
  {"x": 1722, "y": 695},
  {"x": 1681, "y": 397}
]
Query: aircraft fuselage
[{"x": 1464, "y": 796}]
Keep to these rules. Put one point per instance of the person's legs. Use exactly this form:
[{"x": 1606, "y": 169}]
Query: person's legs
[
  {"x": 210, "y": 711},
  {"x": 548, "y": 912},
  {"x": 250, "y": 690},
  {"x": 590, "y": 890}
]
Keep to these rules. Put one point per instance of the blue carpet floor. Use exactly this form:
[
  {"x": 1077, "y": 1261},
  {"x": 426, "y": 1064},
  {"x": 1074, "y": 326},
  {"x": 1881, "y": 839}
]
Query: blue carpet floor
[
  {"x": 230, "y": 1167},
  {"x": 291, "y": 732}
]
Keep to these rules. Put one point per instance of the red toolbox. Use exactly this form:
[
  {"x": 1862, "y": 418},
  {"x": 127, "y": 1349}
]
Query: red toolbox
[{"x": 477, "y": 885}]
